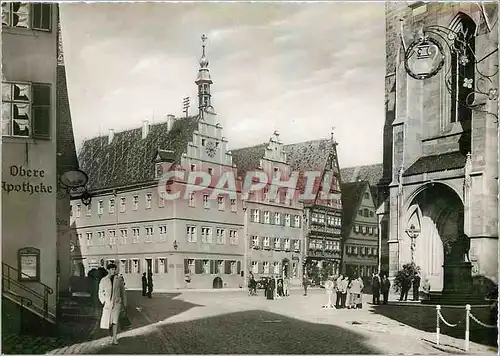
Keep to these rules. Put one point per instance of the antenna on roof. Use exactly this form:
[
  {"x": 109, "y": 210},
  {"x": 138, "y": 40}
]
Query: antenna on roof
[{"x": 185, "y": 105}]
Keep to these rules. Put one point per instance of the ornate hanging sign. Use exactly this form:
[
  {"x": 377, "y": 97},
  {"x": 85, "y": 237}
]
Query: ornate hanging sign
[{"x": 424, "y": 58}]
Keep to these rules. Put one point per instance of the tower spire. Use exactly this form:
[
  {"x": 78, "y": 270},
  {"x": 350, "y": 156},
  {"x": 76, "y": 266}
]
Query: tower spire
[{"x": 204, "y": 81}]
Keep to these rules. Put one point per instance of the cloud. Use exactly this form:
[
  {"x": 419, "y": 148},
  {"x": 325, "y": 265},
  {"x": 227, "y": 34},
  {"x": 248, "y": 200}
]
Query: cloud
[{"x": 296, "y": 67}]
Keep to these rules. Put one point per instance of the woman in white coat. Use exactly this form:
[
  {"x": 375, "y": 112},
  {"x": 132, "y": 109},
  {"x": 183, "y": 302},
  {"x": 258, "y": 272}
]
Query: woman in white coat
[{"x": 113, "y": 298}]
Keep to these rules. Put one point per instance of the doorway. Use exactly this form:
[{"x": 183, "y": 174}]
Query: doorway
[
  {"x": 217, "y": 283},
  {"x": 149, "y": 266}
]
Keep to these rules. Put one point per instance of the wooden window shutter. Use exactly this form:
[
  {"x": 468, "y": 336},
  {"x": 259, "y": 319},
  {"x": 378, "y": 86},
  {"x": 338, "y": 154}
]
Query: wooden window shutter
[
  {"x": 261, "y": 216},
  {"x": 138, "y": 266},
  {"x": 126, "y": 266},
  {"x": 165, "y": 266},
  {"x": 260, "y": 267},
  {"x": 227, "y": 268},
  {"x": 238, "y": 267},
  {"x": 41, "y": 114},
  {"x": 282, "y": 219},
  {"x": 156, "y": 265},
  {"x": 198, "y": 268},
  {"x": 212, "y": 267},
  {"x": 186, "y": 266}
]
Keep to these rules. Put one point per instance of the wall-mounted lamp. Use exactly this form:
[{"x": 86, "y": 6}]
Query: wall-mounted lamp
[{"x": 175, "y": 245}]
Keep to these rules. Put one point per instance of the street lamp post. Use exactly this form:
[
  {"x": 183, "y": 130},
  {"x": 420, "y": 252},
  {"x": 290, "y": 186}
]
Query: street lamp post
[{"x": 413, "y": 233}]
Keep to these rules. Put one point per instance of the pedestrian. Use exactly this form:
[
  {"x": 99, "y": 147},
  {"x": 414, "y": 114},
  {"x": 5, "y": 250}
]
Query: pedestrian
[
  {"x": 276, "y": 287},
  {"x": 329, "y": 286},
  {"x": 150, "y": 284},
  {"x": 385, "y": 286},
  {"x": 271, "y": 285},
  {"x": 144, "y": 284},
  {"x": 338, "y": 290},
  {"x": 359, "y": 297},
  {"x": 280, "y": 288},
  {"x": 113, "y": 298},
  {"x": 354, "y": 292},
  {"x": 405, "y": 287},
  {"x": 286, "y": 286},
  {"x": 416, "y": 286},
  {"x": 376, "y": 289},
  {"x": 305, "y": 283},
  {"x": 344, "y": 285},
  {"x": 351, "y": 288}
]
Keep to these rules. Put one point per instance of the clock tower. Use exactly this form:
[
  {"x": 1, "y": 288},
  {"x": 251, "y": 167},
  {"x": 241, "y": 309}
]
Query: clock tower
[{"x": 203, "y": 82}]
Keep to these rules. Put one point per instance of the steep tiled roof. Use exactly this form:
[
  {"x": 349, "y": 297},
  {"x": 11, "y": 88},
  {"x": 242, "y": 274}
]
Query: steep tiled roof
[
  {"x": 248, "y": 158},
  {"x": 310, "y": 155},
  {"x": 371, "y": 173},
  {"x": 128, "y": 159},
  {"x": 352, "y": 193},
  {"x": 66, "y": 151},
  {"x": 436, "y": 163}
]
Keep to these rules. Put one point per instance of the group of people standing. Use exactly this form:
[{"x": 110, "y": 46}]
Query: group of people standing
[
  {"x": 349, "y": 292},
  {"x": 147, "y": 284},
  {"x": 380, "y": 286},
  {"x": 407, "y": 283},
  {"x": 274, "y": 287}
]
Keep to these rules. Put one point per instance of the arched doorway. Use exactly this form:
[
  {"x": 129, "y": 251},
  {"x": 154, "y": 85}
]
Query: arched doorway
[
  {"x": 440, "y": 248},
  {"x": 217, "y": 283}
]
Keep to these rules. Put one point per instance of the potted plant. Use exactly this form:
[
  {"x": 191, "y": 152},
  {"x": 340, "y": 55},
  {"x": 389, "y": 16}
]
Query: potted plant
[{"x": 408, "y": 271}]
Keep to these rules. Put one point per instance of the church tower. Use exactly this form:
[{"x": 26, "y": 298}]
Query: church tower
[{"x": 203, "y": 82}]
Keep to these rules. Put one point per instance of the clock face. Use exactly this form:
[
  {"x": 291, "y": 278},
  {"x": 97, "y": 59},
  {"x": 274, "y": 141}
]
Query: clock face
[{"x": 211, "y": 148}]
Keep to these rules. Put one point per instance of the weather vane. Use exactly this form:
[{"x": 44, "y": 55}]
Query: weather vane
[{"x": 203, "y": 39}]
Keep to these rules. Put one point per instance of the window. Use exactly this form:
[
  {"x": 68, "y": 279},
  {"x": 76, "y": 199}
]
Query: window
[
  {"x": 26, "y": 110},
  {"x": 220, "y": 203},
  {"x": 161, "y": 200},
  {"x": 277, "y": 243},
  {"x": 206, "y": 267},
  {"x": 234, "y": 207},
  {"x": 255, "y": 241},
  {"x": 256, "y": 215},
  {"x": 37, "y": 16},
  {"x": 123, "y": 236},
  {"x": 287, "y": 244},
  {"x": 367, "y": 213},
  {"x": 163, "y": 232},
  {"x": 123, "y": 204},
  {"x": 135, "y": 235},
  {"x": 135, "y": 265},
  {"x": 276, "y": 172},
  {"x": 206, "y": 202},
  {"x": 221, "y": 236},
  {"x": 276, "y": 268},
  {"x": 161, "y": 265},
  {"x": 112, "y": 237},
  {"x": 149, "y": 197},
  {"x": 251, "y": 196},
  {"x": 220, "y": 267},
  {"x": 277, "y": 219},
  {"x": 101, "y": 237},
  {"x": 267, "y": 219},
  {"x": 363, "y": 229},
  {"x": 233, "y": 237},
  {"x": 297, "y": 220},
  {"x": 135, "y": 202},
  {"x": 370, "y": 230},
  {"x": 267, "y": 242},
  {"x": 210, "y": 171},
  {"x": 336, "y": 245},
  {"x": 203, "y": 142},
  {"x": 265, "y": 266},
  {"x": 206, "y": 235},
  {"x": 233, "y": 267},
  {"x": 123, "y": 266},
  {"x": 190, "y": 266},
  {"x": 287, "y": 220},
  {"x": 265, "y": 196},
  {"x": 367, "y": 195},
  {"x": 78, "y": 210},
  {"x": 375, "y": 230},
  {"x": 371, "y": 214},
  {"x": 192, "y": 201},
  {"x": 356, "y": 228},
  {"x": 191, "y": 233},
  {"x": 100, "y": 207},
  {"x": 89, "y": 239},
  {"x": 296, "y": 245},
  {"x": 255, "y": 267},
  {"x": 111, "y": 206},
  {"x": 149, "y": 234},
  {"x": 360, "y": 212},
  {"x": 89, "y": 209},
  {"x": 193, "y": 168}
]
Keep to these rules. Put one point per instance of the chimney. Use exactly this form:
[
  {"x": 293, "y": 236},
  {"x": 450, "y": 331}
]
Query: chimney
[
  {"x": 170, "y": 121},
  {"x": 145, "y": 128},
  {"x": 111, "y": 135}
]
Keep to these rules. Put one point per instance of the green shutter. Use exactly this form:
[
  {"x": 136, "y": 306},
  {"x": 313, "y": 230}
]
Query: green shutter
[
  {"x": 186, "y": 266},
  {"x": 165, "y": 266},
  {"x": 198, "y": 268},
  {"x": 212, "y": 267},
  {"x": 156, "y": 265},
  {"x": 227, "y": 267},
  {"x": 238, "y": 267}
]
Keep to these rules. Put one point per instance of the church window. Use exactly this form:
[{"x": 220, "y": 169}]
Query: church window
[{"x": 203, "y": 141}]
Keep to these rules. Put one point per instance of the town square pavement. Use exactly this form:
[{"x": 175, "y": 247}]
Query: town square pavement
[{"x": 231, "y": 322}]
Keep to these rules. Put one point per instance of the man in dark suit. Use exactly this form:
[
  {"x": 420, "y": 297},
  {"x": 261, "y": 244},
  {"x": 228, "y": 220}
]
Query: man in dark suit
[{"x": 376, "y": 289}]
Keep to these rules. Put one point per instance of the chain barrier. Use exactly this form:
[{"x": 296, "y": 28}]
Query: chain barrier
[
  {"x": 444, "y": 320},
  {"x": 481, "y": 323}
]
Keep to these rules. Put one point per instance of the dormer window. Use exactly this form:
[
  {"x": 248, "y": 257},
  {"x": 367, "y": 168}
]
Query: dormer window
[{"x": 158, "y": 170}]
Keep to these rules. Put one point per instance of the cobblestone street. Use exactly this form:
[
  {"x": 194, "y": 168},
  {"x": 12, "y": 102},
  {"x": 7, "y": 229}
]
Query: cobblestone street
[{"x": 233, "y": 322}]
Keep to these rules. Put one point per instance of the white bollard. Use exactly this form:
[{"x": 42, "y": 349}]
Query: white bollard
[
  {"x": 467, "y": 315},
  {"x": 438, "y": 308}
]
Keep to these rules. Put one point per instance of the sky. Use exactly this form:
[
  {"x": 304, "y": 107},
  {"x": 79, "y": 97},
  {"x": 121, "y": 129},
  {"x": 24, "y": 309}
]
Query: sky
[{"x": 299, "y": 68}]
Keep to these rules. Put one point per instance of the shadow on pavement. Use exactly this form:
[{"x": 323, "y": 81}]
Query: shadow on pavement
[
  {"x": 248, "y": 332},
  {"x": 424, "y": 318}
]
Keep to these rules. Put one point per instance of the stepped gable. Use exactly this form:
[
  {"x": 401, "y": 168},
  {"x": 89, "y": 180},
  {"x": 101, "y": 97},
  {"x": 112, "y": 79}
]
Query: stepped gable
[
  {"x": 247, "y": 159},
  {"x": 351, "y": 197},
  {"x": 371, "y": 173},
  {"x": 128, "y": 159}
]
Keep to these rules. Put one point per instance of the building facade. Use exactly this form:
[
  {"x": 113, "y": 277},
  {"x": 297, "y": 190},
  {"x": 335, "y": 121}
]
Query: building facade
[
  {"x": 274, "y": 220},
  {"x": 440, "y": 183},
  {"x": 359, "y": 230},
  {"x": 322, "y": 218},
  {"x": 29, "y": 151},
  {"x": 195, "y": 241}
]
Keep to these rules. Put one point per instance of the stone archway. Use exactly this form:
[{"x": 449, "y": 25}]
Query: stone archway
[
  {"x": 217, "y": 283},
  {"x": 441, "y": 245}
]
